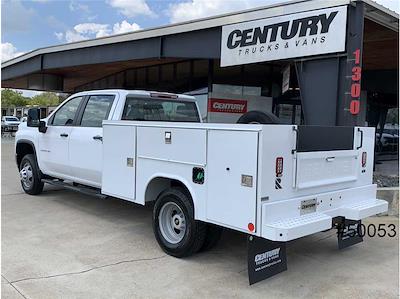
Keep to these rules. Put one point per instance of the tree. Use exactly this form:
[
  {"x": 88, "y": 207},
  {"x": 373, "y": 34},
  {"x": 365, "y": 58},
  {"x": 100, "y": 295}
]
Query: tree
[
  {"x": 12, "y": 98},
  {"x": 45, "y": 99},
  {"x": 393, "y": 116}
]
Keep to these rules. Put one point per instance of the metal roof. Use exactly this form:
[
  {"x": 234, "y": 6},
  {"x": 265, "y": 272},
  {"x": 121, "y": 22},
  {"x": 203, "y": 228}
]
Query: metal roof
[
  {"x": 381, "y": 14},
  {"x": 215, "y": 21},
  {"x": 374, "y": 11}
]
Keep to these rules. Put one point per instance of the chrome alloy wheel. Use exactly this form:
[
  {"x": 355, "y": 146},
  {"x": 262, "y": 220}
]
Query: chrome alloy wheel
[
  {"x": 26, "y": 175},
  {"x": 172, "y": 222}
]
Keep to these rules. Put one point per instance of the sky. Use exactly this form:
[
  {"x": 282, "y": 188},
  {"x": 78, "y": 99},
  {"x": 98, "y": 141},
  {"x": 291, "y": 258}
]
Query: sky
[{"x": 28, "y": 25}]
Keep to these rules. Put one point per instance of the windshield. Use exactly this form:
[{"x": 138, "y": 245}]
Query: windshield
[
  {"x": 12, "y": 119},
  {"x": 159, "y": 110},
  {"x": 391, "y": 131}
]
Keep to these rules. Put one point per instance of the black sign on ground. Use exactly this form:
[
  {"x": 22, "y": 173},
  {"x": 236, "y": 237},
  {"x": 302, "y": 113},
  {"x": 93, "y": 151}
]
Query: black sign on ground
[
  {"x": 348, "y": 233},
  {"x": 264, "y": 258}
]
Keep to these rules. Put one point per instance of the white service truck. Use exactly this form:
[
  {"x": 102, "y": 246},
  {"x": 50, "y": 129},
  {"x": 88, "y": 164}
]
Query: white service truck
[{"x": 273, "y": 182}]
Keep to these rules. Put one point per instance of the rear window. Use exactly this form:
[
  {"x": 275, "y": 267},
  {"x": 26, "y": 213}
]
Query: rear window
[{"x": 159, "y": 110}]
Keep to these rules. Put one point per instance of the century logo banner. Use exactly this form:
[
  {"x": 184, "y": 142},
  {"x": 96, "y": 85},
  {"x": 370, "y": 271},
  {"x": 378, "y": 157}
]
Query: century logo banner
[
  {"x": 227, "y": 106},
  {"x": 302, "y": 34}
]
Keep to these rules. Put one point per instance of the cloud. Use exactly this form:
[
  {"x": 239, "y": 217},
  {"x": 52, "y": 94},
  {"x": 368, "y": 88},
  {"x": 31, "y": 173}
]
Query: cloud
[
  {"x": 15, "y": 17},
  {"x": 124, "y": 27},
  {"x": 99, "y": 30},
  {"x": 74, "y": 6},
  {"x": 196, "y": 9},
  {"x": 94, "y": 30},
  {"x": 73, "y": 36},
  {"x": 8, "y": 51},
  {"x": 82, "y": 9},
  {"x": 59, "y": 35},
  {"x": 132, "y": 8}
]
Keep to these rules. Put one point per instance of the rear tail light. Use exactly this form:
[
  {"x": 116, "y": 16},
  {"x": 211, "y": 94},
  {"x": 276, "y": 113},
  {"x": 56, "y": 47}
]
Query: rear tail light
[
  {"x": 364, "y": 159},
  {"x": 279, "y": 166}
]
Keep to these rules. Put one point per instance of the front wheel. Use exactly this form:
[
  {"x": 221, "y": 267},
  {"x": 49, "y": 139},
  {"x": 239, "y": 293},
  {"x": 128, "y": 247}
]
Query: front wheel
[
  {"x": 30, "y": 175},
  {"x": 176, "y": 230}
]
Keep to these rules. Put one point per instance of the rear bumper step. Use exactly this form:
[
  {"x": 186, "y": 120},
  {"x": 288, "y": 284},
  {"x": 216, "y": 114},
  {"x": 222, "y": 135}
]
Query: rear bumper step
[
  {"x": 297, "y": 227},
  {"x": 363, "y": 209}
]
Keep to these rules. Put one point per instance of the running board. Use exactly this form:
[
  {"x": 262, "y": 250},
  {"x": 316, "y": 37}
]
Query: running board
[{"x": 80, "y": 188}]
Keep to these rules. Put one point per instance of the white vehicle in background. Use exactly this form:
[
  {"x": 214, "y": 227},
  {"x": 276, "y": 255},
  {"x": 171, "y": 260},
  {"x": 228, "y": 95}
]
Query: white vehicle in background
[
  {"x": 388, "y": 141},
  {"x": 9, "y": 124},
  {"x": 275, "y": 183}
]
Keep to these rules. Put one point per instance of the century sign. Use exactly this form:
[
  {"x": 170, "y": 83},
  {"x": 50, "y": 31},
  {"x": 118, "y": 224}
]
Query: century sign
[
  {"x": 295, "y": 35},
  {"x": 227, "y": 106}
]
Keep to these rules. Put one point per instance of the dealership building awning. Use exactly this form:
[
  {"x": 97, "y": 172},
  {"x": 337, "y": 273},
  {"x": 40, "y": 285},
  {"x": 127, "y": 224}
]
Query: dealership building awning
[{"x": 192, "y": 55}]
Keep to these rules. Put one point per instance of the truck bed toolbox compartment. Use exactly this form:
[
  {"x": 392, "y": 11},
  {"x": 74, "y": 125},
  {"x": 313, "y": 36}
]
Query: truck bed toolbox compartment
[
  {"x": 170, "y": 144},
  {"x": 119, "y": 158},
  {"x": 232, "y": 178}
]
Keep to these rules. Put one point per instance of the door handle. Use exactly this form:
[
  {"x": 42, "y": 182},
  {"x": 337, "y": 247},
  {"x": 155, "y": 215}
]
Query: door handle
[
  {"x": 64, "y": 135},
  {"x": 361, "y": 138},
  {"x": 98, "y": 137},
  {"x": 330, "y": 159}
]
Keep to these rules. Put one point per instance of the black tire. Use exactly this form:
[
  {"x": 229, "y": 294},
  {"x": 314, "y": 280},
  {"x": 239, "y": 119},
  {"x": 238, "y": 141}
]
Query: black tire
[
  {"x": 213, "y": 235},
  {"x": 258, "y": 117},
  {"x": 35, "y": 185},
  {"x": 195, "y": 231}
]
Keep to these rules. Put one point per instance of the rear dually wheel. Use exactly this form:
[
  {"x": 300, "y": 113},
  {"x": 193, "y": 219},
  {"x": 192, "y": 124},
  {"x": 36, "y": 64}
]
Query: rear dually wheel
[{"x": 176, "y": 230}]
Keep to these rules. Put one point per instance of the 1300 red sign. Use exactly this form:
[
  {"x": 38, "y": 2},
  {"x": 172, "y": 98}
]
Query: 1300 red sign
[
  {"x": 355, "y": 84},
  {"x": 227, "y": 106}
]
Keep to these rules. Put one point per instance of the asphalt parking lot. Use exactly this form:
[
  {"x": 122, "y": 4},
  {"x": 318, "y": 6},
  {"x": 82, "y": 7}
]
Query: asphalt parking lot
[{"x": 67, "y": 245}]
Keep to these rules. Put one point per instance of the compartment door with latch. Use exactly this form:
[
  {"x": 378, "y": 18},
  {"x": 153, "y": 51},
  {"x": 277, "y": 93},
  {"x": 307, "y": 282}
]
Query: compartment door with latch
[
  {"x": 119, "y": 161},
  {"x": 231, "y": 178}
]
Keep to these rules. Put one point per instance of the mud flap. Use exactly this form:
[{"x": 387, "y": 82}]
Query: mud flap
[
  {"x": 348, "y": 233},
  {"x": 264, "y": 258}
]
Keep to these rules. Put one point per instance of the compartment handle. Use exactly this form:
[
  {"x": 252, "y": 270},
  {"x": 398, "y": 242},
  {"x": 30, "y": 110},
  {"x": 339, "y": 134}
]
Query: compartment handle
[{"x": 361, "y": 138}]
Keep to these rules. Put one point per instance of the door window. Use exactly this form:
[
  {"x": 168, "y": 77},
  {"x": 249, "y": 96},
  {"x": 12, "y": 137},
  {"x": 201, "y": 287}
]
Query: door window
[
  {"x": 97, "y": 109},
  {"x": 66, "y": 114}
]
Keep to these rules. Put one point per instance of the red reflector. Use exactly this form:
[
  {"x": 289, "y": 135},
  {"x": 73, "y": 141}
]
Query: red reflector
[
  {"x": 279, "y": 165},
  {"x": 250, "y": 226},
  {"x": 364, "y": 159}
]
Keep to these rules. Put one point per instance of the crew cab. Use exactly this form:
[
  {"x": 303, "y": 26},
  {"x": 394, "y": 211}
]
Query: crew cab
[{"x": 270, "y": 181}]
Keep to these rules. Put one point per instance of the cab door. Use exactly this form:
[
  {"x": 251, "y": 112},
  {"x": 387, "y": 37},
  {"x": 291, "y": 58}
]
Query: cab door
[
  {"x": 86, "y": 139},
  {"x": 53, "y": 145}
]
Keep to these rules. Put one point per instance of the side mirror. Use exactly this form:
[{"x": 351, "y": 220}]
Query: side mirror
[
  {"x": 33, "y": 120},
  {"x": 42, "y": 126},
  {"x": 33, "y": 117}
]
